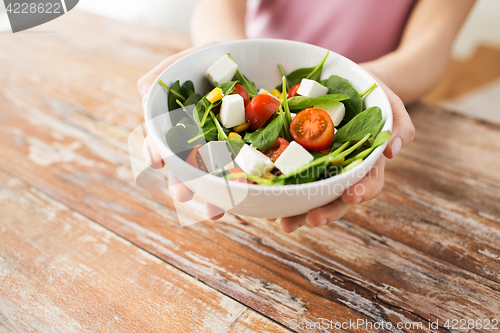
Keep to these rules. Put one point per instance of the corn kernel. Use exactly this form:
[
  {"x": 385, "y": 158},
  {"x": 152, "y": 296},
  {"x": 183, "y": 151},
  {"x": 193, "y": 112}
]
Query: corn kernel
[
  {"x": 338, "y": 161},
  {"x": 275, "y": 93},
  {"x": 215, "y": 95},
  {"x": 234, "y": 135},
  {"x": 241, "y": 128}
]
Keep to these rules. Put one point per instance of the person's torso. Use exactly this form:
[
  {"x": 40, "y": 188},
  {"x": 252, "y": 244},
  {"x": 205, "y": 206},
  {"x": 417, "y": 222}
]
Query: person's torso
[{"x": 361, "y": 30}]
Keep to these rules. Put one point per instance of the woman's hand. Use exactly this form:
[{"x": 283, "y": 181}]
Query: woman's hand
[
  {"x": 147, "y": 80},
  {"x": 371, "y": 185},
  {"x": 150, "y": 154}
]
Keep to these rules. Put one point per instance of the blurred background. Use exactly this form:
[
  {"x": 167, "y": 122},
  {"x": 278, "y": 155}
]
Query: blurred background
[{"x": 471, "y": 84}]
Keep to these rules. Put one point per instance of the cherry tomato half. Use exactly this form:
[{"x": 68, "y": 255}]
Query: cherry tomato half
[
  {"x": 276, "y": 149},
  {"x": 260, "y": 109},
  {"x": 293, "y": 91},
  {"x": 313, "y": 129},
  {"x": 240, "y": 90},
  {"x": 194, "y": 158},
  {"x": 242, "y": 179}
]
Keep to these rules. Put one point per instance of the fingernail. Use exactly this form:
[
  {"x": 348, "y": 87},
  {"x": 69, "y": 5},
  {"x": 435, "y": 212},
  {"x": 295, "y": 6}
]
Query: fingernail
[
  {"x": 144, "y": 100},
  {"x": 358, "y": 200},
  {"x": 323, "y": 222},
  {"x": 396, "y": 146}
]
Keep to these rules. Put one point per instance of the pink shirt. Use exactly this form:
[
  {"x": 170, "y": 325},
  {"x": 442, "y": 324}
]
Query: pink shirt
[{"x": 361, "y": 30}]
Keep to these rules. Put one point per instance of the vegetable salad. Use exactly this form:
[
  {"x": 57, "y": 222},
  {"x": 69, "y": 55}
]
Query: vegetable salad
[{"x": 303, "y": 130}]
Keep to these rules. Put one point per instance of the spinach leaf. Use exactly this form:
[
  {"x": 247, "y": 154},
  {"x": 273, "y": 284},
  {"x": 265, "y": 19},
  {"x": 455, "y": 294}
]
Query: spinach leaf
[
  {"x": 367, "y": 122},
  {"x": 208, "y": 129},
  {"x": 172, "y": 97},
  {"x": 381, "y": 138},
  {"x": 193, "y": 99},
  {"x": 302, "y": 102},
  {"x": 244, "y": 81},
  {"x": 187, "y": 89},
  {"x": 236, "y": 145},
  {"x": 311, "y": 73},
  {"x": 339, "y": 85},
  {"x": 265, "y": 136},
  {"x": 177, "y": 139},
  {"x": 227, "y": 87}
]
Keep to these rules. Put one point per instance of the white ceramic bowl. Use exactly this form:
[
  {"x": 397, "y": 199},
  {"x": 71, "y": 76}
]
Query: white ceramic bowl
[{"x": 258, "y": 60}]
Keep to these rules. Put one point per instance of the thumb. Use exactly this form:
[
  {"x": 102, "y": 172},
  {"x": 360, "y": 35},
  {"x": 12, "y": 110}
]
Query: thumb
[{"x": 403, "y": 130}]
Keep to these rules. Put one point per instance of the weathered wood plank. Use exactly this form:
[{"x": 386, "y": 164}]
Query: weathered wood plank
[
  {"x": 454, "y": 218},
  {"x": 88, "y": 62},
  {"x": 61, "y": 272},
  {"x": 455, "y": 143}
]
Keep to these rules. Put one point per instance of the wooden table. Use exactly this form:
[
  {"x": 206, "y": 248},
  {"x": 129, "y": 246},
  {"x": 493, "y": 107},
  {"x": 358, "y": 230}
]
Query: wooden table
[{"x": 83, "y": 249}]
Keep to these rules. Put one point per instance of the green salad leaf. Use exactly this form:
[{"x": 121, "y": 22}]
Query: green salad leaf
[
  {"x": 264, "y": 137},
  {"x": 367, "y": 122},
  {"x": 187, "y": 89},
  {"x": 244, "y": 81},
  {"x": 178, "y": 136},
  {"x": 311, "y": 73},
  {"x": 339, "y": 85},
  {"x": 302, "y": 102}
]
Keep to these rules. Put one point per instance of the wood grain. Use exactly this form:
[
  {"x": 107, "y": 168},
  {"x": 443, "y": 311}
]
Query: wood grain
[
  {"x": 455, "y": 143},
  {"x": 303, "y": 276},
  {"x": 61, "y": 272},
  {"x": 424, "y": 251}
]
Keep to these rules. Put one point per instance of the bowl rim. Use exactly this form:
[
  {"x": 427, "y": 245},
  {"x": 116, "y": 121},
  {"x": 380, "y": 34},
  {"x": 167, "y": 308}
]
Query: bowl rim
[{"x": 388, "y": 115}]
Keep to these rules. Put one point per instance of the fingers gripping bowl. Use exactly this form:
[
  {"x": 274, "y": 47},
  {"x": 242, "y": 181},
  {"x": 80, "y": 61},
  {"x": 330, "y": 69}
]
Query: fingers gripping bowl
[{"x": 258, "y": 60}]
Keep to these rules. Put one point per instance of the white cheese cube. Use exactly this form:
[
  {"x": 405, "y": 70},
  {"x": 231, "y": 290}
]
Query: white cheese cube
[
  {"x": 336, "y": 110},
  {"x": 253, "y": 161},
  {"x": 222, "y": 70},
  {"x": 311, "y": 88},
  {"x": 293, "y": 158},
  {"x": 215, "y": 155},
  {"x": 232, "y": 111}
]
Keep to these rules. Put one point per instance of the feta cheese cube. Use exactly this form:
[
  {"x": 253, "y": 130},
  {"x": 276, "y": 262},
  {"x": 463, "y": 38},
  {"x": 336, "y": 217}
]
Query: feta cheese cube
[
  {"x": 222, "y": 70},
  {"x": 293, "y": 158},
  {"x": 336, "y": 110},
  {"x": 253, "y": 161},
  {"x": 311, "y": 88},
  {"x": 215, "y": 155},
  {"x": 232, "y": 111}
]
